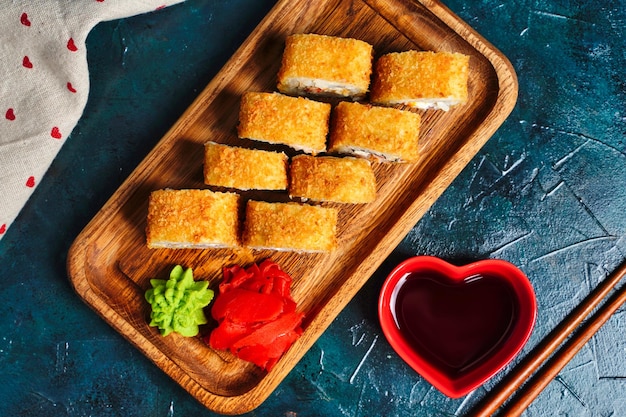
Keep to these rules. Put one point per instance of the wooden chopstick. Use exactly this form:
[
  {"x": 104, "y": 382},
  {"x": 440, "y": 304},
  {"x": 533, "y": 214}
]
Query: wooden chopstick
[{"x": 549, "y": 346}]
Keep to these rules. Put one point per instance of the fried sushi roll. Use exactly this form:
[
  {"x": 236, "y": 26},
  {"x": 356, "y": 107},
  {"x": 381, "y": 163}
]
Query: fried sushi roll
[
  {"x": 192, "y": 219},
  {"x": 340, "y": 180},
  {"x": 421, "y": 79},
  {"x": 385, "y": 133},
  {"x": 326, "y": 66},
  {"x": 244, "y": 169},
  {"x": 290, "y": 227},
  {"x": 293, "y": 121}
]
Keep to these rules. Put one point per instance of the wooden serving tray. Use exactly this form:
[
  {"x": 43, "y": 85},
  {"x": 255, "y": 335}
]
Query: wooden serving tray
[{"x": 110, "y": 266}]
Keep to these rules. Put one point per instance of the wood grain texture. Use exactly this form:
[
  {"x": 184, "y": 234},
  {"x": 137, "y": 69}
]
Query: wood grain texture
[{"x": 110, "y": 266}]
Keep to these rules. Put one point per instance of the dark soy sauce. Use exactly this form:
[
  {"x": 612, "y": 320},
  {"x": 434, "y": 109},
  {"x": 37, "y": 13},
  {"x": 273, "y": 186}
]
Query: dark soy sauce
[{"x": 454, "y": 325}]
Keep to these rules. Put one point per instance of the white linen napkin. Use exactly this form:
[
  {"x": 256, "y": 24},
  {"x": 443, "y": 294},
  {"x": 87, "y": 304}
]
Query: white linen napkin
[{"x": 44, "y": 84}]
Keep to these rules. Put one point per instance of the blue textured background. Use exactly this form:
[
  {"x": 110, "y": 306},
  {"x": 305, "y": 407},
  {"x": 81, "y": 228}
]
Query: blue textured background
[{"x": 547, "y": 193}]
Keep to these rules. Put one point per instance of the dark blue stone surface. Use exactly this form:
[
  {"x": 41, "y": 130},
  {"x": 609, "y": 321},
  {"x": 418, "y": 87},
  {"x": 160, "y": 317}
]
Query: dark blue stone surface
[{"x": 547, "y": 192}]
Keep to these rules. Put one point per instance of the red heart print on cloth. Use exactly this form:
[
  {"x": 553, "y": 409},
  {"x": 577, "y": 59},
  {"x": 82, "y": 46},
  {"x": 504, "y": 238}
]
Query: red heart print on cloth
[
  {"x": 24, "y": 19},
  {"x": 44, "y": 42},
  {"x": 71, "y": 45},
  {"x": 26, "y": 62},
  {"x": 56, "y": 133}
]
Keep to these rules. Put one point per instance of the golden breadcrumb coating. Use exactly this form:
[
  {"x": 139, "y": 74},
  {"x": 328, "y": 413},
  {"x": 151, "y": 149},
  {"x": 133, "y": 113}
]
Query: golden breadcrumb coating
[
  {"x": 290, "y": 227},
  {"x": 192, "y": 219},
  {"x": 327, "y": 65},
  {"x": 294, "y": 121},
  {"x": 385, "y": 132},
  {"x": 341, "y": 180},
  {"x": 244, "y": 169},
  {"x": 420, "y": 78}
]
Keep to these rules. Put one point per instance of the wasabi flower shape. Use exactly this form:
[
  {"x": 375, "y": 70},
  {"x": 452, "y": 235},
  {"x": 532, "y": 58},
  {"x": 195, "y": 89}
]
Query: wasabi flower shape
[{"x": 177, "y": 303}]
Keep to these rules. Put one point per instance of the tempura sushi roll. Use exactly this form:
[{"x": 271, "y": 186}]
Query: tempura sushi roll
[
  {"x": 328, "y": 178},
  {"x": 194, "y": 219},
  {"x": 293, "y": 121},
  {"x": 244, "y": 169},
  {"x": 325, "y": 65},
  {"x": 385, "y": 133},
  {"x": 421, "y": 79},
  {"x": 290, "y": 227}
]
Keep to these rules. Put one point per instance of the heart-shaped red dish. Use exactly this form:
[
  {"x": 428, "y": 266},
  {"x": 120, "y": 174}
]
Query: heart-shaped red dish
[{"x": 457, "y": 326}]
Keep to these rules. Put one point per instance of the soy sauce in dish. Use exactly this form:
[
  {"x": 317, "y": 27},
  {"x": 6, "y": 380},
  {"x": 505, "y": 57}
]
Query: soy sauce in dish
[{"x": 455, "y": 325}]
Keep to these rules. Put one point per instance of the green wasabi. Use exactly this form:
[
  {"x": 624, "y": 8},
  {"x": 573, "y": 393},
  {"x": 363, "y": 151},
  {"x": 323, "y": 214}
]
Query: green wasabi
[{"x": 177, "y": 303}]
